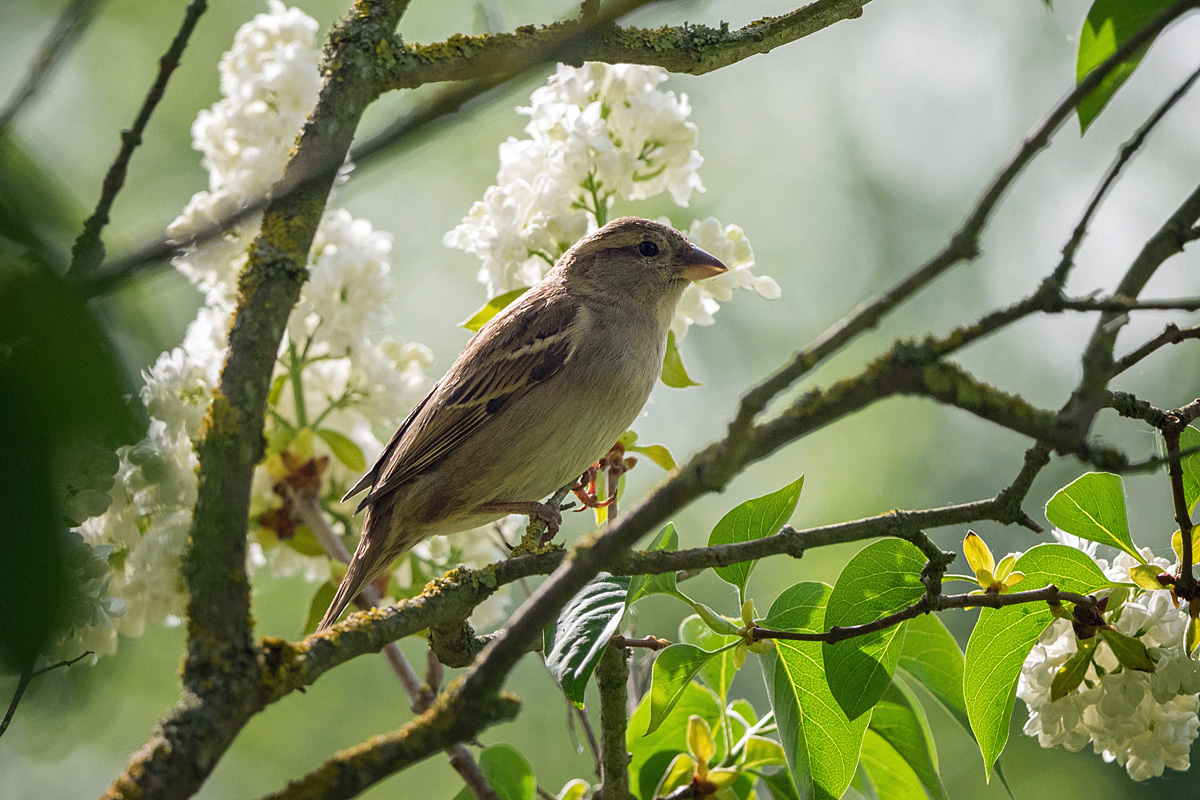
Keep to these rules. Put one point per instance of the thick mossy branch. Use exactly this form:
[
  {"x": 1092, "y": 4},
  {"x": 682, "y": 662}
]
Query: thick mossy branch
[
  {"x": 221, "y": 671},
  {"x": 692, "y": 49}
]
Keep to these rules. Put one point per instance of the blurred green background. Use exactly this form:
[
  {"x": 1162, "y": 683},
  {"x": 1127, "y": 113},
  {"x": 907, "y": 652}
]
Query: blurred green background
[{"x": 848, "y": 158}]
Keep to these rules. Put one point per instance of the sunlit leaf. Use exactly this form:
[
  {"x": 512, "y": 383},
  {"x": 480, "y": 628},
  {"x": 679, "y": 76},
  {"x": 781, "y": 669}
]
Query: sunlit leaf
[
  {"x": 892, "y": 777},
  {"x": 932, "y": 658},
  {"x": 1003, "y": 638},
  {"x": 651, "y": 754},
  {"x": 1129, "y": 651},
  {"x": 1093, "y": 507},
  {"x": 899, "y": 719},
  {"x": 657, "y": 453},
  {"x": 673, "y": 372},
  {"x": 506, "y": 771},
  {"x": 664, "y": 582},
  {"x": 882, "y": 578},
  {"x": 673, "y": 670},
  {"x": 1146, "y": 576},
  {"x": 344, "y": 449},
  {"x": 754, "y": 519},
  {"x": 491, "y": 309},
  {"x": 719, "y": 671},
  {"x": 821, "y": 744},
  {"x": 1108, "y": 25}
]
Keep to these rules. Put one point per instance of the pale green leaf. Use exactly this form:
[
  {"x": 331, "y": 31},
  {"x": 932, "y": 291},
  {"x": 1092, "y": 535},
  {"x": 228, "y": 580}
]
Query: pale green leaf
[
  {"x": 1093, "y": 507},
  {"x": 506, "y": 771},
  {"x": 753, "y": 519},
  {"x": 718, "y": 672},
  {"x": 821, "y": 744},
  {"x": 1108, "y": 25},
  {"x": 317, "y": 606},
  {"x": 673, "y": 372},
  {"x": 899, "y": 719},
  {"x": 882, "y": 578},
  {"x": 1129, "y": 651},
  {"x": 491, "y": 309},
  {"x": 892, "y": 777},
  {"x": 650, "y": 755},
  {"x": 673, "y": 670},
  {"x": 344, "y": 449}
]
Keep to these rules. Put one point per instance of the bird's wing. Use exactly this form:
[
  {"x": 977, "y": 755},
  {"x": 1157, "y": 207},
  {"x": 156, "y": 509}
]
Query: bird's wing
[{"x": 526, "y": 346}]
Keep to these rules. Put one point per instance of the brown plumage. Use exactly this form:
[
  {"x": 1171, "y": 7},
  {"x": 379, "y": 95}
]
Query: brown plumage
[{"x": 539, "y": 393}]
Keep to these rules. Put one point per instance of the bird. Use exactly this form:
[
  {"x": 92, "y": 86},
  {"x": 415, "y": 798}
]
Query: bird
[{"x": 540, "y": 393}]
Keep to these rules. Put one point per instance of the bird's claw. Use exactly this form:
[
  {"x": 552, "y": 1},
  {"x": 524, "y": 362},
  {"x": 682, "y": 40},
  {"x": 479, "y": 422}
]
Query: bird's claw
[{"x": 585, "y": 490}]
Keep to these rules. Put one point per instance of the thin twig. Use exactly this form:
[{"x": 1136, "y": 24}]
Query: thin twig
[
  {"x": 648, "y": 642},
  {"x": 1058, "y": 278},
  {"x": 612, "y": 675},
  {"x": 63, "y": 37},
  {"x": 88, "y": 251},
  {"x": 1185, "y": 582},
  {"x": 925, "y": 605},
  {"x": 27, "y": 676},
  {"x": 1171, "y": 334}
]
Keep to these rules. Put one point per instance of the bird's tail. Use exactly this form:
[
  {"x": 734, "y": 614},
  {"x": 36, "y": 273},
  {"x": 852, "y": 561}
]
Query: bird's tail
[{"x": 369, "y": 560}]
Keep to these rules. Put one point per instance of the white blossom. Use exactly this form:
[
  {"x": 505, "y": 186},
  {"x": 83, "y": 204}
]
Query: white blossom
[{"x": 1146, "y": 722}]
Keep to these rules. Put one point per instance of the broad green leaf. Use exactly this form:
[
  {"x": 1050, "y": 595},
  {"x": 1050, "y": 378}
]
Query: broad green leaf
[
  {"x": 718, "y": 672},
  {"x": 491, "y": 309},
  {"x": 932, "y": 658},
  {"x": 317, "y": 606},
  {"x": 1177, "y": 545},
  {"x": 1108, "y": 24},
  {"x": 574, "y": 644},
  {"x": 1189, "y": 440},
  {"x": 1129, "y": 651},
  {"x": 650, "y": 755},
  {"x": 899, "y": 719},
  {"x": 753, "y": 519},
  {"x": 346, "y": 451},
  {"x": 655, "y": 452},
  {"x": 673, "y": 372},
  {"x": 1072, "y": 673},
  {"x": 821, "y": 744},
  {"x": 506, "y": 771},
  {"x": 892, "y": 777},
  {"x": 663, "y": 583},
  {"x": 1093, "y": 507},
  {"x": 1146, "y": 576},
  {"x": 1003, "y": 638},
  {"x": 673, "y": 670},
  {"x": 884, "y": 577},
  {"x": 780, "y": 785}
]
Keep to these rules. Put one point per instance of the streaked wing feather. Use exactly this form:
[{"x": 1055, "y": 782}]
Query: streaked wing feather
[
  {"x": 368, "y": 480},
  {"x": 532, "y": 345}
]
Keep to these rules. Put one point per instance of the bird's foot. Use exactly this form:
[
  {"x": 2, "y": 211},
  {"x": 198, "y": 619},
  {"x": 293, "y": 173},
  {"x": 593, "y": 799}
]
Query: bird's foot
[
  {"x": 585, "y": 490},
  {"x": 539, "y": 512}
]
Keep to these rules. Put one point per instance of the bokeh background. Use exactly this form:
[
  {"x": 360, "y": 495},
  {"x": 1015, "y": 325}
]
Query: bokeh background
[{"x": 848, "y": 158}]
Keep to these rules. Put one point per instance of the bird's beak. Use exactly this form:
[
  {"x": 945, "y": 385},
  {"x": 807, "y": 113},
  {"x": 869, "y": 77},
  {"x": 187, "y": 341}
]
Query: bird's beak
[{"x": 696, "y": 265}]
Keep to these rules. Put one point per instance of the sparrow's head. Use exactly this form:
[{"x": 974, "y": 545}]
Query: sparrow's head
[{"x": 640, "y": 260}]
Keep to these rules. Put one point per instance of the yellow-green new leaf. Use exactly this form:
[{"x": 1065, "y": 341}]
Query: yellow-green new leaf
[
  {"x": 1093, "y": 507},
  {"x": 673, "y": 372},
  {"x": 491, "y": 309},
  {"x": 344, "y": 449}
]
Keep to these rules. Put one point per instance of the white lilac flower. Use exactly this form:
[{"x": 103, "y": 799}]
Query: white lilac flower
[
  {"x": 1145, "y": 722},
  {"x": 702, "y": 299}
]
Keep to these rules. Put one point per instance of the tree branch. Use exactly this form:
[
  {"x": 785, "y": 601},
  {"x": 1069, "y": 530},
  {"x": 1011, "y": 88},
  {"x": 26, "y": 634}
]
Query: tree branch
[
  {"x": 691, "y": 49},
  {"x": 88, "y": 251},
  {"x": 612, "y": 675},
  {"x": 927, "y": 603},
  {"x": 1171, "y": 334}
]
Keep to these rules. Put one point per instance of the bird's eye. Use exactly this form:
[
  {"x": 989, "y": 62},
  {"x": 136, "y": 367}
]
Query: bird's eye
[{"x": 648, "y": 249}]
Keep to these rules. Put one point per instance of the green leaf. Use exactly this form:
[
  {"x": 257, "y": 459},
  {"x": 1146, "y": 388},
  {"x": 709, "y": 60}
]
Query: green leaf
[
  {"x": 574, "y": 644},
  {"x": 1003, "y": 638},
  {"x": 573, "y": 790},
  {"x": 673, "y": 372},
  {"x": 655, "y": 452},
  {"x": 884, "y": 577},
  {"x": 346, "y": 451},
  {"x": 276, "y": 389},
  {"x": 1129, "y": 651},
  {"x": 305, "y": 542},
  {"x": 491, "y": 309},
  {"x": 821, "y": 744},
  {"x": 780, "y": 785},
  {"x": 932, "y": 658},
  {"x": 1093, "y": 507},
  {"x": 1188, "y": 440},
  {"x": 506, "y": 771},
  {"x": 1108, "y": 25},
  {"x": 718, "y": 672},
  {"x": 674, "y": 669},
  {"x": 762, "y": 752},
  {"x": 681, "y": 771},
  {"x": 1072, "y": 673},
  {"x": 1146, "y": 576},
  {"x": 892, "y": 777},
  {"x": 649, "y": 755},
  {"x": 753, "y": 519},
  {"x": 899, "y": 719},
  {"x": 317, "y": 606},
  {"x": 663, "y": 583}
]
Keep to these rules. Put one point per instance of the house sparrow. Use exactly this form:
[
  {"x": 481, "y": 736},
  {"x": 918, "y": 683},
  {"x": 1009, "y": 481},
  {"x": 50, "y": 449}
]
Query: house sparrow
[{"x": 540, "y": 392}]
